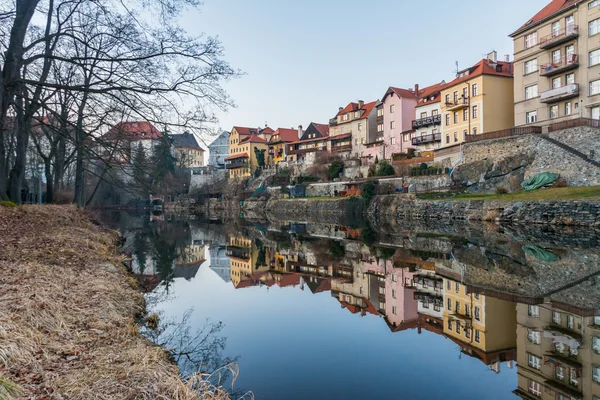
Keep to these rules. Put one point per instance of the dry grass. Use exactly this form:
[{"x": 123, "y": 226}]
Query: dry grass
[{"x": 67, "y": 327}]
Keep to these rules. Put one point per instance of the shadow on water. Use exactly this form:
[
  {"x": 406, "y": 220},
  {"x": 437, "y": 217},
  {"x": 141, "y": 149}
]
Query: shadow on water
[{"x": 518, "y": 299}]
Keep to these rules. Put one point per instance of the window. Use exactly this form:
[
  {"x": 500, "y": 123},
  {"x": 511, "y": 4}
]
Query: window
[
  {"x": 468, "y": 333},
  {"x": 449, "y": 324},
  {"x": 458, "y": 328},
  {"x": 356, "y": 114},
  {"x": 455, "y": 137},
  {"x": 556, "y": 317},
  {"x": 406, "y": 137},
  {"x": 530, "y": 40},
  {"x": 423, "y": 115},
  {"x": 465, "y": 133},
  {"x": 476, "y": 296},
  {"x": 593, "y": 4},
  {"x": 556, "y": 56},
  {"x": 449, "y": 304},
  {"x": 530, "y": 117},
  {"x": 393, "y": 140},
  {"x": 596, "y": 344},
  {"x": 393, "y": 293},
  {"x": 449, "y": 286},
  {"x": 380, "y": 112},
  {"x": 533, "y": 311},
  {"x": 594, "y": 27},
  {"x": 556, "y": 83},
  {"x": 394, "y": 278},
  {"x": 556, "y": 28},
  {"x": 530, "y": 66},
  {"x": 596, "y": 373},
  {"x": 594, "y": 87},
  {"x": 533, "y": 361},
  {"x": 554, "y": 111},
  {"x": 465, "y": 114},
  {"x": 467, "y": 310},
  {"x": 534, "y": 336},
  {"x": 447, "y": 98},
  {"x": 392, "y": 108},
  {"x": 433, "y": 112},
  {"x": 569, "y": 79},
  {"x": 568, "y": 108},
  {"x": 456, "y": 96},
  {"x": 457, "y": 307},
  {"x": 535, "y": 388},
  {"x": 456, "y": 117},
  {"x": 570, "y": 52},
  {"x": 570, "y": 321},
  {"x": 448, "y": 138},
  {"x": 477, "y": 314},
  {"x": 380, "y": 128},
  {"x": 345, "y": 117},
  {"x": 559, "y": 373},
  {"x": 457, "y": 287},
  {"x": 595, "y": 115},
  {"x": 475, "y": 88},
  {"x": 477, "y": 336},
  {"x": 474, "y": 131},
  {"x": 465, "y": 92},
  {"x": 447, "y": 119},
  {"x": 573, "y": 376},
  {"x": 392, "y": 124},
  {"x": 394, "y": 310}
]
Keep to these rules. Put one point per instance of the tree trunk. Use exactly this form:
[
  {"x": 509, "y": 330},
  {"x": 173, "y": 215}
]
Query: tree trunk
[{"x": 49, "y": 182}]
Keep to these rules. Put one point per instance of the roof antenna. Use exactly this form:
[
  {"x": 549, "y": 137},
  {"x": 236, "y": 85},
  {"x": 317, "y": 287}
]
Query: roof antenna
[{"x": 456, "y": 67}]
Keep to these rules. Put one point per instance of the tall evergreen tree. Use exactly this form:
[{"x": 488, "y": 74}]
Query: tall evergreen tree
[
  {"x": 163, "y": 160},
  {"x": 140, "y": 171}
]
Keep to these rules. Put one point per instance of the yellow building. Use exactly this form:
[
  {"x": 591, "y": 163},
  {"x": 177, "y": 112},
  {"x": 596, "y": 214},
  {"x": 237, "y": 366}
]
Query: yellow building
[
  {"x": 479, "y": 100},
  {"x": 242, "y": 159},
  {"x": 277, "y": 144},
  {"x": 187, "y": 151},
  {"x": 485, "y": 325},
  {"x": 246, "y": 260}
]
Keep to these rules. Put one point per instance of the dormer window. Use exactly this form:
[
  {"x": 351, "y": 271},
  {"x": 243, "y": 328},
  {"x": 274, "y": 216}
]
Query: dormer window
[
  {"x": 356, "y": 114},
  {"x": 143, "y": 134}
]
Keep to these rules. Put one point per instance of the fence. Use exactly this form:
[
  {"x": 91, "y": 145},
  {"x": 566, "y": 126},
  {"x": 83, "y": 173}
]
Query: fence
[
  {"x": 524, "y": 130},
  {"x": 574, "y": 123},
  {"x": 416, "y": 160}
]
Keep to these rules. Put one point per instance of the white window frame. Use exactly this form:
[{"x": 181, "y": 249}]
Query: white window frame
[
  {"x": 475, "y": 89},
  {"x": 555, "y": 27},
  {"x": 531, "y": 118},
  {"x": 568, "y": 110},
  {"x": 569, "y": 79},
  {"x": 531, "y": 92},
  {"x": 534, "y": 361},
  {"x": 530, "y": 66},
  {"x": 392, "y": 108},
  {"x": 535, "y": 389},
  {"x": 534, "y": 336},
  {"x": 594, "y": 27},
  {"x": 593, "y": 4},
  {"x": 595, "y": 87},
  {"x": 392, "y": 124},
  {"x": 530, "y": 40},
  {"x": 553, "y": 114}
]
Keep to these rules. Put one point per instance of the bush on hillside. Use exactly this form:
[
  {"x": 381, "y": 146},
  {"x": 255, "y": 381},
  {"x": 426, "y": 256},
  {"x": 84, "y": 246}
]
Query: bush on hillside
[
  {"x": 335, "y": 169},
  {"x": 368, "y": 190}
]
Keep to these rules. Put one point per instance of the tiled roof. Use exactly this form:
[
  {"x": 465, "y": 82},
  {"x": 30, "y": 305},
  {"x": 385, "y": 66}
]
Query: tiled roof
[
  {"x": 244, "y": 130},
  {"x": 483, "y": 67},
  {"x": 139, "y": 130},
  {"x": 322, "y": 128},
  {"x": 241, "y": 155},
  {"x": 285, "y": 135},
  {"x": 554, "y": 7},
  {"x": 185, "y": 140},
  {"x": 324, "y": 138},
  {"x": 253, "y": 139},
  {"x": 351, "y": 107},
  {"x": 426, "y": 94},
  {"x": 342, "y": 136}
]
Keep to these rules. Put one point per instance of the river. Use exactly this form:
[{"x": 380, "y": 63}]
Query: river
[{"x": 340, "y": 310}]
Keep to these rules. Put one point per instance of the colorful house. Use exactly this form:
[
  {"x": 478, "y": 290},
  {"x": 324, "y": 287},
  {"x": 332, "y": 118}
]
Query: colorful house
[
  {"x": 479, "y": 100},
  {"x": 349, "y": 130},
  {"x": 278, "y": 144},
  {"x": 244, "y": 146},
  {"x": 312, "y": 141},
  {"x": 397, "y": 111},
  {"x": 428, "y": 119}
]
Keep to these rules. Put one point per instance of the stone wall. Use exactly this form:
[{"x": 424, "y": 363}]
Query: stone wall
[
  {"x": 407, "y": 207},
  {"x": 199, "y": 180},
  {"x": 305, "y": 209},
  {"x": 507, "y": 162}
]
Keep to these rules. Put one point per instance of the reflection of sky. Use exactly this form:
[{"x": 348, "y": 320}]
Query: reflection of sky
[{"x": 296, "y": 345}]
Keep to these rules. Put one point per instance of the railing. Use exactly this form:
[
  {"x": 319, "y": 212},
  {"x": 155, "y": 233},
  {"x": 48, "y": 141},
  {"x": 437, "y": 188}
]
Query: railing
[
  {"x": 458, "y": 103},
  {"x": 560, "y": 93},
  {"x": 574, "y": 123},
  {"x": 307, "y": 150},
  {"x": 432, "y": 120},
  {"x": 561, "y": 36},
  {"x": 565, "y": 63},
  {"x": 523, "y": 130},
  {"x": 347, "y": 147},
  {"x": 241, "y": 163},
  {"x": 434, "y": 137}
]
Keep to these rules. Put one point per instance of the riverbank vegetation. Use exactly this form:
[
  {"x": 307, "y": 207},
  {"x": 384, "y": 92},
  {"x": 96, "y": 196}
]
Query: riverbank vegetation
[
  {"x": 68, "y": 322},
  {"x": 560, "y": 193}
]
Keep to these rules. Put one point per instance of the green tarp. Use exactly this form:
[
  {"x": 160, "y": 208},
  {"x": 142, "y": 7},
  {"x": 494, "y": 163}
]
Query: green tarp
[
  {"x": 538, "y": 181},
  {"x": 539, "y": 253}
]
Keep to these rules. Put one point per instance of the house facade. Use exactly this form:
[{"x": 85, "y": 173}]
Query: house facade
[
  {"x": 278, "y": 144},
  {"x": 349, "y": 130},
  {"x": 188, "y": 152},
  {"x": 311, "y": 142},
  {"x": 557, "y": 64},
  {"x": 242, "y": 159},
  {"x": 428, "y": 119},
  {"x": 479, "y": 100},
  {"x": 398, "y": 110},
  {"x": 123, "y": 139},
  {"x": 219, "y": 150}
]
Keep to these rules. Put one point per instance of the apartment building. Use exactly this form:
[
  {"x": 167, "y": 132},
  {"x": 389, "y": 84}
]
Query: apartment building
[
  {"x": 557, "y": 63},
  {"x": 277, "y": 144},
  {"x": 310, "y": 142},
  {"x": 479, "y": 100},
  {"x": 428, "y": 119},
  {"x": 349, "y": 130},
  {"x": 242, "y": 159},
  {"x": 398, "y": 110}
]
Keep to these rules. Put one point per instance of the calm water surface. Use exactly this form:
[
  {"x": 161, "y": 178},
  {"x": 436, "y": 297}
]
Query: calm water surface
[{"x": 331, "y": 311}]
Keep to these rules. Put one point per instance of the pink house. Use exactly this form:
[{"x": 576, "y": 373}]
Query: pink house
[
  {"x": 396, "y": 112},
  {"x": 400, "y": 305}
]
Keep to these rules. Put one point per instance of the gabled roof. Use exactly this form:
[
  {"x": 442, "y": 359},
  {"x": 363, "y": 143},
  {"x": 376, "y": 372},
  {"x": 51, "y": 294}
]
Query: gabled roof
[
  {"x": 402, "y": 93},
  {"x": 241, "y": 155},
  {"x": 351, "y": 107},
  {"x": 285, "y": 135},
  {"x": 253, "y": 139},
  {"x": 483, "y": 67},
  {"x": 139, "y": 130},
  {"x": 185, "y": 139},
  {"x": 430, "y": 94},
  {"x": 553, "y": 8},
  {"x": 244, "y": 130},
  {"x": 322, "y": 128},
  {"x": 218, "y": 137}
]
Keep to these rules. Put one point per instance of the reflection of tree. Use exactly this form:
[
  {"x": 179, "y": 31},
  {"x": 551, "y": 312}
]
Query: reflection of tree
[
  {"x": 164, "y": 256},
  {"x": 368, "y": 235},
  {"x": 336, "y": 249},
  {"x": 261, "y": 260},
  {"x": 140, "y": 249}
]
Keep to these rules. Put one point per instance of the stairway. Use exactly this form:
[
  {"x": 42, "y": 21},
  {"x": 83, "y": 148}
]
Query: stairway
[{"x": 570, "y": 150}]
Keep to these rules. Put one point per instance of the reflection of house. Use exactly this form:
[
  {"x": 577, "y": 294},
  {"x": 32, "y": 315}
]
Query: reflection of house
[
  {"x": 558, "y": 352},
  {"x": 187, "y": 151},
  {"x": 219, "y": 262},
  {"x": 484, "y": 325},
  {"x": 246, "y": 260},
  {"x": 429, "y": 288}
]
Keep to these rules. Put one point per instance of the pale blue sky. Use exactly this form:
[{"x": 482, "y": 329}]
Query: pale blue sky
[{"x": 304, "y": 59}]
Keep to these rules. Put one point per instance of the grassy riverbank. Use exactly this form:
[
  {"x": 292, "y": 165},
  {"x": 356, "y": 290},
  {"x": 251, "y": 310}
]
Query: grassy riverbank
[
  {"x": 567, "y": 193},
  {"x": 67, "y": 319}
]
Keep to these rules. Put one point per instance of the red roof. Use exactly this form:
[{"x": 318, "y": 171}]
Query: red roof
[
  {"x": 241, "y": 155},
  {"x": 253, "y": 139},
  {"x": 133, "y": 131},
  {"x": 483, "y": 67},
  {"x": 285, "y": 135},
  {"x": 322, "y": 128},
  {"x": 324, "y": 138},
  {"x": 426, "y": 93},
  {"x": 554, "y": 7},
  {"x": 367, "y": 107},
  {"x": 246, "y": 131},
  {"x": 404, "y": 93},
  {"x": 342, "y": 136}
]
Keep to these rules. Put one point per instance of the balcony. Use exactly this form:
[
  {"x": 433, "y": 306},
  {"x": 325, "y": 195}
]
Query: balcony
[
  {"x": 436, "y": 137},
  {"x": 237, "y": 163},
  {"x": 564, "y": 64},
  {"x": 347, "y": 147},
  {"x": 307, "y": 150},
  {"x": 560, "y": 93},
  {"x": 457, "y": 104},
  {"x": 562, "y": 36},
  {"x": 427, "y": 121}
]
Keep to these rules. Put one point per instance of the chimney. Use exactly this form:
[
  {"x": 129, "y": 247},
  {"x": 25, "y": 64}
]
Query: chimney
[
  {"x": 416, "y": 89},
  {"x": 299, "y": 132},
  {"x": 493, "y": 56},
  {"x": 341, "y": 108},
  {"x": 507, "y": 58},
  {"x": 360, "y": 104}
]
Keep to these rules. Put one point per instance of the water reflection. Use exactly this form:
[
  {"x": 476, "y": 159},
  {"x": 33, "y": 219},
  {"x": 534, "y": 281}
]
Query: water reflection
[{"x": 519, "y": 302}]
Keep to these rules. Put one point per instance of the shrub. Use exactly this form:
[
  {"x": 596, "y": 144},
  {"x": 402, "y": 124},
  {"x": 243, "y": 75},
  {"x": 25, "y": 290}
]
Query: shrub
[
  {"x": 285, "y": 190},
  {"x": 376, "y": 159},
  {"x": 423, "y": 166},
  {"x": 283, "y": 172},
  {"x": 9, "y": 204},
  {"x": 368, "y": 190},
  {"x": 385, "y": 169},
  {"x": 560, "y": 183},
  {"x": 307, "y": 179},
  {"x": 501, "y": 190},
  {"x": 335, "y": 169},
  {"x": 257, "y": 172}
]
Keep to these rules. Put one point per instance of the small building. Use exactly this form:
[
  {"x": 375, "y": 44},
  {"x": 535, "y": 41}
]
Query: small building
[
  {"x": 278, "y": 144},
  {"x": 311, "y": 142},
  {"x": 349, "y": 130},
  {"x": 188, "y": 152},
  {"x": 219, "y": 150},
  {"x": 123, "y": 139},
  {"x": 244, "y": 145}
]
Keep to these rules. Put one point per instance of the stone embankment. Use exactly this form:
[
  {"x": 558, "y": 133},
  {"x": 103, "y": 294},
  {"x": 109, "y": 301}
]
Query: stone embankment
[{"x": 407, "y": 207}]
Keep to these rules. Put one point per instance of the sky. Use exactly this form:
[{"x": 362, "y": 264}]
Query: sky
[{"x": 304, "y": 59}]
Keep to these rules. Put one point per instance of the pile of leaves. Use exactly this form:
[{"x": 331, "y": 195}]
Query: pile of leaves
[{"x": 68, "y": 322}]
